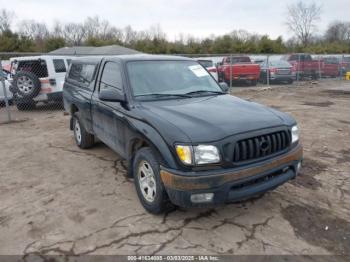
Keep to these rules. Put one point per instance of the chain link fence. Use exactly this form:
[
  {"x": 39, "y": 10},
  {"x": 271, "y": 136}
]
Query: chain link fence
[{"x": 32, "y": 82}]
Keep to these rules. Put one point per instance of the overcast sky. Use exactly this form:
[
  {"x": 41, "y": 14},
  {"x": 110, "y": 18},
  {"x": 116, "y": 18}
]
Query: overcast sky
[{"x": 200, "y": 18}]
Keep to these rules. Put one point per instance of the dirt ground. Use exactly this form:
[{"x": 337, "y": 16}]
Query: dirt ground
[{"x": 58, "y": 199}]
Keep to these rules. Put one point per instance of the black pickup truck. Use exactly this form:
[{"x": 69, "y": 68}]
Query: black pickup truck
[{"x": 186, "y": 140}]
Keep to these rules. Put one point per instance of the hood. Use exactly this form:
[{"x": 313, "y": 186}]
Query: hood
[{"x": 211, "y": 118}]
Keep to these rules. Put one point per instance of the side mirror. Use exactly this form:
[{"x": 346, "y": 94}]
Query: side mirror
[
  {"x": 224, "y": 87},
  {"x": 111, "y": 94}
]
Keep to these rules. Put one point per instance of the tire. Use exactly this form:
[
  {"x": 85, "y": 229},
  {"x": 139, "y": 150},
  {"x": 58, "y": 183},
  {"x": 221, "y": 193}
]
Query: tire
[
  {"x": 262, "y": 79},
  {"x": 25, "y": 107},
  {"x": 152, "y": 194},
  {"x": 253, "y": 82},
  {"x": 315, "y": 76},
  {"x": 24, "y": 104},
  {"x": 26, "y": 84},
  {"x": 82, "y": 138}
]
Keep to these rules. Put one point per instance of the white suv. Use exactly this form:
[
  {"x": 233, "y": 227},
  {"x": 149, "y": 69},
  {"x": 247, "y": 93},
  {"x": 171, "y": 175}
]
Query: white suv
[{"x": 38, "y": 79}]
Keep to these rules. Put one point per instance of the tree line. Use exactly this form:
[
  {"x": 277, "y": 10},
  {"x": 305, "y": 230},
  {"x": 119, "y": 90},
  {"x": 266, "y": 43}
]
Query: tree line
[{"x": 34, "y": 36}]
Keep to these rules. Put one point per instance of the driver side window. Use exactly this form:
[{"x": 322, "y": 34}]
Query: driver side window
[{"x": 111, "y": 77}]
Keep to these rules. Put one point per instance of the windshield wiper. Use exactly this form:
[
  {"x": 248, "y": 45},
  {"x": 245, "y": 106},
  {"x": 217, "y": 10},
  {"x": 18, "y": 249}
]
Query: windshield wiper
[
  {"x": 205, "y": 91},
  {"x": 165, "y": 95}
]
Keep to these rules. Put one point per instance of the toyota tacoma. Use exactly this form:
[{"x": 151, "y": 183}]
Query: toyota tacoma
[{"x": 186, "y": 141}]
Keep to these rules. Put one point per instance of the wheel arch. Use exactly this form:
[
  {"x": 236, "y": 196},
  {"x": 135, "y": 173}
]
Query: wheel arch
[
  {"x": 72, "y": 110},
  {"x": 155, "y": 142}
]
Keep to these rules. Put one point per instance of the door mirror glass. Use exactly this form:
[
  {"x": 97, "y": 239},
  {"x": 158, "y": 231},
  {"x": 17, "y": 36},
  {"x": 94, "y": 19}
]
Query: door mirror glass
[
  {"x": 224, "y": 87},
  {"x": 111, "y": 94}
]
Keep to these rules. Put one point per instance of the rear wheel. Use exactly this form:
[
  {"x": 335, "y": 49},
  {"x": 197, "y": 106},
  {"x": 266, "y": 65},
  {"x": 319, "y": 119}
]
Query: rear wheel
[
  {"x": 82, "y": 138},
  {"x": 24, "y": 104},
  {"x": 149, "y": 187},
  {"x": 253, "y": 82}
]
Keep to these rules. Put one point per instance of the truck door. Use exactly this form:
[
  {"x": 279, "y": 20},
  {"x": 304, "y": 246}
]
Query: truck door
[{"x": 107, "y": 117}]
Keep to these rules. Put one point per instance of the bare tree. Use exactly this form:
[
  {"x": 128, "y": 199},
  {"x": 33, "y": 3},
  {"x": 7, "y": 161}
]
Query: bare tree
[
  {"x": 338, "y": 31},
  {"x": 57, "y": 30},
  {"x": 102, "y": 29},
  {"x": 33, "y": 30},
  {"x": 6, "y": 19},
  {"x": 74, "y": 33},
  {"x": 129, "y": 35},
  {"x": 156, "y": 32},
  {"x": 302, "y": 18}
]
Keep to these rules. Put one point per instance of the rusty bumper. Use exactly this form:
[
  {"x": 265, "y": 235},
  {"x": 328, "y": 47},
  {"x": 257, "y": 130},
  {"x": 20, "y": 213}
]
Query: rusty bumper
[
  {"x": 231, "y": 185},
  {"x": 203, "y": 180}
]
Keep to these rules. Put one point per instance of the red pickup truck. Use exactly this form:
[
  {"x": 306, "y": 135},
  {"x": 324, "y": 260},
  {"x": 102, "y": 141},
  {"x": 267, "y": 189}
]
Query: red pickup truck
[
  {"x": 304, "y": 65},
  {"x": 331, "y": 67},
  {"x": 239, "y": 69}
]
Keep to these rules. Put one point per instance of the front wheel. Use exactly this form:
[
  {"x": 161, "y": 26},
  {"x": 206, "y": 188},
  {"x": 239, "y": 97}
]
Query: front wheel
[{"x": 149, "y": 187}]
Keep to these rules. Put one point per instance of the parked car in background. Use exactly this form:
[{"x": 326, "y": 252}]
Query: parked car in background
[
  {"x": 37, "y": 79},
  {"x": 304, "y": 65},
  {"x": 240, "y": 69},
  {"x": 209, "y": 65},
  {"x": 186, "y": 141},
  {"x": 259, "y": 61},
  {"x": 277, "y": 70},
  {"x": 331, "y": 67}
]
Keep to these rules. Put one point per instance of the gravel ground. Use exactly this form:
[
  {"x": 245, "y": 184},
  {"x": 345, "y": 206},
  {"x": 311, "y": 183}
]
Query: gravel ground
[{"x": 58, "y": 199}]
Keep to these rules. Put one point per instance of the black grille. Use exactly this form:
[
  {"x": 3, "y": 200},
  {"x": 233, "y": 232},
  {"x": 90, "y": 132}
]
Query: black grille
[{"x": 261, "y": 146}]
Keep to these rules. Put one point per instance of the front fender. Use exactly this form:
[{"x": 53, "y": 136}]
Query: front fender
[{"x": 144, "y": 131}]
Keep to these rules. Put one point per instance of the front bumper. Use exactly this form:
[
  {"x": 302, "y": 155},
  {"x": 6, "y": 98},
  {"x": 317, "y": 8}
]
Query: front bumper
[
  {"x": 282, "y": 77},
  {"x": 231, "y": 184}
]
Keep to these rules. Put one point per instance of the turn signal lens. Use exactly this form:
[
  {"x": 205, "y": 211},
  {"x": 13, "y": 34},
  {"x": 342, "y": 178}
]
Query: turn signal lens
[{"x": 184, "y": 153}]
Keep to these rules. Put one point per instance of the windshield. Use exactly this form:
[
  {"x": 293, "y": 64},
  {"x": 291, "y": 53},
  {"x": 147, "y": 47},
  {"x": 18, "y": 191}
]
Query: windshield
[
  {"x": 238, "y": 59},
  {"x": 172, "y": 78},
  {"x": 280, "y": 63},
  {"x": 206, "y": 63}
]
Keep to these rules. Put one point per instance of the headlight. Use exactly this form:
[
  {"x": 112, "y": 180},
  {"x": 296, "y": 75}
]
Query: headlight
[
  {"x": 295, "y": 134},
  {"x": 202, "y": 154},
  {"x": 206, "y": 154}
]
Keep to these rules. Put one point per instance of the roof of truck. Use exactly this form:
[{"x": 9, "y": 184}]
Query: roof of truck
[
  {"x": 30, "y": 58},
  {"x": 92, "y": 50},
  {"x": 138, "y": 57}
]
